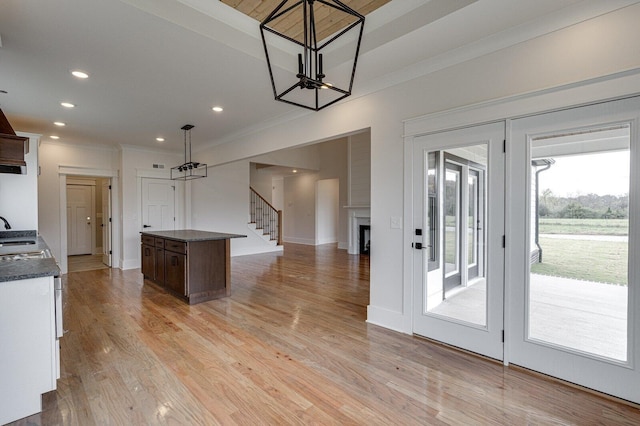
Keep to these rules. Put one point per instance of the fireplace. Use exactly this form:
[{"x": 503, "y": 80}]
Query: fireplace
[
  {"x": 358, "y": 216},
  {"x": 365, "y": 239}
]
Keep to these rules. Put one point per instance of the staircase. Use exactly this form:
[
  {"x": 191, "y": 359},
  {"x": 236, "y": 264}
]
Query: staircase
[{"x": 265, "y": 218}]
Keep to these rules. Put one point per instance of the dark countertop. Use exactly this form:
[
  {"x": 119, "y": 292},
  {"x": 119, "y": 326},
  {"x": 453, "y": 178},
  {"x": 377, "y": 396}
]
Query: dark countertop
[
  {"x": 187, "y": 235},
  {"x": 12, "y": 270}
]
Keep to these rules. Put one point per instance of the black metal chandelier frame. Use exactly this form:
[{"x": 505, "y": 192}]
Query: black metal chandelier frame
[
  {"x": 310, "y": 63},
  {"x": 188, "y": 170}
]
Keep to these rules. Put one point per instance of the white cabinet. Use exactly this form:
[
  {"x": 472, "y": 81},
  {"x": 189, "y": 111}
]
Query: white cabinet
[{"x": 28, "y": 361}]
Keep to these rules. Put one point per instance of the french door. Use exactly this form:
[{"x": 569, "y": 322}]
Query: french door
[
  {"x": 572, "y": 246},
  {"x": 458, "y": 211}
]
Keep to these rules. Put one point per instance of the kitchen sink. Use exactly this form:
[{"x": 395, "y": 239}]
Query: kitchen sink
[
  {"x": 41, "y": 254},
  {"x": 17, "y": 243}
]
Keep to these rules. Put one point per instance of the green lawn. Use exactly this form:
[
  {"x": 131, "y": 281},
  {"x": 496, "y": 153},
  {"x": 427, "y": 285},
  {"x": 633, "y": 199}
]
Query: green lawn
[
  {"x": 599, "y": 261},
  {"x": 584, "y": 226}
]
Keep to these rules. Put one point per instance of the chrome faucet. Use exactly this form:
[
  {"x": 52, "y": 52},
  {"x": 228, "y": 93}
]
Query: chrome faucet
[{"x": 6, "y": 224}]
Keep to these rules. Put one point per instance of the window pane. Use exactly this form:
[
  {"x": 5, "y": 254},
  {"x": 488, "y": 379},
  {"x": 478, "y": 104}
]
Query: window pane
[{"x": 578, "y": 288}]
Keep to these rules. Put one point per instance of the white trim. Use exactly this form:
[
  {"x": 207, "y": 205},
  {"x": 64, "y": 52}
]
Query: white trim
[
  {"x": 392, "y": 320},
  {"x": 600, "y": 89},
  {"x": 113, "y": 175},
  {"x": 253, "y": 250},
  {"x": 295, "y": 240},
  {"x": 87, "y": 171}
]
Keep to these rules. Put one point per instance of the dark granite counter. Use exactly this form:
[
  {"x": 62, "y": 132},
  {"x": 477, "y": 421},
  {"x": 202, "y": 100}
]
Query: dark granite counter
[
  {"x": 24, "y": 268},
  {"x": 187, "y": 235}
]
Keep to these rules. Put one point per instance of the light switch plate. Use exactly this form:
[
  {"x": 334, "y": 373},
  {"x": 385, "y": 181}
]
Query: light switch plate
[{"x": 396, "y": 222}]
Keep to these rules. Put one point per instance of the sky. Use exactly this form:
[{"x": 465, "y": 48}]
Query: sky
[{"x": 604, "y": 173}]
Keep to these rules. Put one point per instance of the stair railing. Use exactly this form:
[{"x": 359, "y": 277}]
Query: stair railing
[{"x": 265, "y": 216}]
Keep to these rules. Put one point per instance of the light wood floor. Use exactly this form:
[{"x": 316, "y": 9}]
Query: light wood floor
[
  {"x": 85, "y": 262},
  {"x": 290, "y": 346}
]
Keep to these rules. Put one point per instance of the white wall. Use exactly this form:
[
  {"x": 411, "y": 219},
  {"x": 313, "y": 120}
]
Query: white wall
[
  {"x": 220, "y": 203},
  {"x": 299, "y": 221},
  {"x": 19, "y": 194},
  {"x": 327, "y": 198},
  {"x": 277, "y": 193},
  {"x": 136, "y": 163},
  {"x": 260, "y": 181},
  {"x": 301, "y": 158},
  {"x": 334, "y": 159},
  {"x": 50, "y": 184},
  {"x": 591, "y": 49},
  {"x": 359, "y": 155}
]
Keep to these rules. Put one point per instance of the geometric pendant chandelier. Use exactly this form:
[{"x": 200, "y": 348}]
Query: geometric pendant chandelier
[
  {"x": 188, "y": 170},
  {"x": 323, "y": 55}
]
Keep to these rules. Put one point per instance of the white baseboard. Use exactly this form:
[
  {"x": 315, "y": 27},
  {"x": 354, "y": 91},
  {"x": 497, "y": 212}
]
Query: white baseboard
[
  {"x": 389, "y": 319},
  {"x": 129, "y": 263},
  {"x": 255, "y": 250},
  {"x": 305, "y": 241}
]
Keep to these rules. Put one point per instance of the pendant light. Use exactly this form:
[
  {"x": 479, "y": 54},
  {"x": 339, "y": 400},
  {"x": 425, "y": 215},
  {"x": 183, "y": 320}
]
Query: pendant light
[
  {"x": 312, "y": 51},
  {"x": 189, "y": 169}
]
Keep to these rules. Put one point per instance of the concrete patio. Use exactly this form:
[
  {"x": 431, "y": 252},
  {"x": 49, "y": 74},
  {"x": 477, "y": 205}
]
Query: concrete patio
[{"x": 584, "y": 316}]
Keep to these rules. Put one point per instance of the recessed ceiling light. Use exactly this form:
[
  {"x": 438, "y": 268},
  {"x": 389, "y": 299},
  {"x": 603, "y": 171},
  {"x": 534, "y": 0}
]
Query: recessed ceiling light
[
  {"x": 217, "y": 108},
  {"x": 54, "y": 137},
  {"x": 160, "y": 139},
  {"x": 67, "y": 104},
  {"x": 80, "y": 74},
  {"x": 295, "y": 171},
  {"x": 59, "y": 123}
]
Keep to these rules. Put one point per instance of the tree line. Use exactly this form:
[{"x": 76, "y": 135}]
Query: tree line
[{"x": 590, "y": 206}]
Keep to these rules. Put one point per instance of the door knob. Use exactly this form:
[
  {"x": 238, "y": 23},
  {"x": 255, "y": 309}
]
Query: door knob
[{"x": 146, "y": 226}]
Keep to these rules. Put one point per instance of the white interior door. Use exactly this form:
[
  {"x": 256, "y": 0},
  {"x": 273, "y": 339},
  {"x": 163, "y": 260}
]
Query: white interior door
[
  {"x": 79, "y": 219},
  {"x": 447, "y": 193},
  {"x": 573, "y": 246},
  {"x": 106, "y": 222},
  {"x": 158, "y": 204}
]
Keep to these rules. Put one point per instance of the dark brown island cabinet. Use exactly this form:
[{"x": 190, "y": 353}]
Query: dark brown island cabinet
[{"x": 193, "y": 265}]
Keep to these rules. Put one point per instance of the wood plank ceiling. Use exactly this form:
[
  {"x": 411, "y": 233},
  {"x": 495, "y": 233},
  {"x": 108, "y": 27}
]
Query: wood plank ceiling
[{"x": 328, "y": 19}]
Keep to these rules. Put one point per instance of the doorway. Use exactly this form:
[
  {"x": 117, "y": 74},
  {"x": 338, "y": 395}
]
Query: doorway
[
  {"x": 88, "y": 218},
  {"x": 158, "y": 204},
  {"x": 562, "y": 274}
]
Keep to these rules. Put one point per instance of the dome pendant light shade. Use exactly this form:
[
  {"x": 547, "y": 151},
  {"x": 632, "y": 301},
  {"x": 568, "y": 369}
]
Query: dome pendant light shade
[
  {"x": 312, "y": 51},
  {"x": 189, "y": 169}
]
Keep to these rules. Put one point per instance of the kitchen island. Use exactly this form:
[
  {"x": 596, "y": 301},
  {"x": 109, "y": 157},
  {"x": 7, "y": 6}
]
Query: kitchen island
[{"x": 191, "y": 264}]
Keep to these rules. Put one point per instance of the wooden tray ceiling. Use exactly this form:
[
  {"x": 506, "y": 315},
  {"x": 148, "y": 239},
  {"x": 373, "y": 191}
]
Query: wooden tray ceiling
[{"x": 328, "y": 20}]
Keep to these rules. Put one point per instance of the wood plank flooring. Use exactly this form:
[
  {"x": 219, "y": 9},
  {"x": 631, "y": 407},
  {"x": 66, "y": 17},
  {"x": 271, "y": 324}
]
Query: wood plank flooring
[
  {"x": 289, "y": 346},
  {"x": 85, "y": 262}
]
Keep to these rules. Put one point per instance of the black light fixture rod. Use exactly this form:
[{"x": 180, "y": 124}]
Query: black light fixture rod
[
  {"x": 313, "y": 46},
  {"x": 275, "y": 15},
  {"x": 307, "y": 68},
  {"x": 284, "y": 36}
]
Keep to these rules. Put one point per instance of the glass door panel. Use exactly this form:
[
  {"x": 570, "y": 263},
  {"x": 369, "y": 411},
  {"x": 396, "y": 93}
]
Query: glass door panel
[
  {"x": 574, "y": 300},
  {"x": 459, "y": 278},
  {"x": 578, "y": 290}
]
